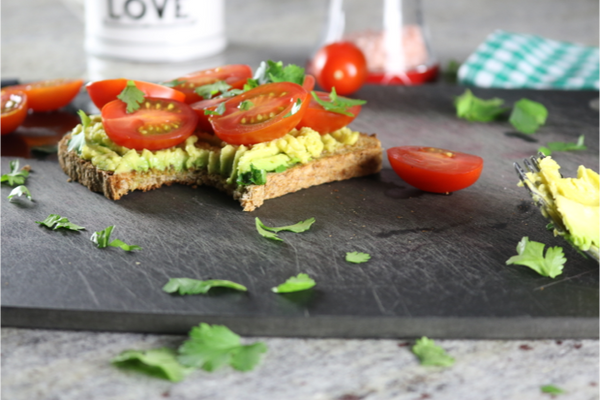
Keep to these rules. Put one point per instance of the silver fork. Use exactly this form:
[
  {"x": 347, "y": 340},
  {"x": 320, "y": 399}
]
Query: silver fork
[{"x": 532, "y": 165}]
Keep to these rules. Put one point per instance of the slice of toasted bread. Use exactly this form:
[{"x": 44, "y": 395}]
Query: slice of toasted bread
[{"x": 362, "y": 158}]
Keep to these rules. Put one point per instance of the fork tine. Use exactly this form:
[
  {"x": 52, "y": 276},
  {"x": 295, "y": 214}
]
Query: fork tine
[
  {"x": 529, "y": 166},
  {"x": 520, "y": 172}
]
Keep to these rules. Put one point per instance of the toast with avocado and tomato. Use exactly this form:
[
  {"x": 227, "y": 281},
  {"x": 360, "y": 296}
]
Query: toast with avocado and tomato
[{"x": 265, "y": 137}]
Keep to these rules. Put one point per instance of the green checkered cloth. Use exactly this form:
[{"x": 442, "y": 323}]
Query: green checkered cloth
[{"x": 510, "y": 61}]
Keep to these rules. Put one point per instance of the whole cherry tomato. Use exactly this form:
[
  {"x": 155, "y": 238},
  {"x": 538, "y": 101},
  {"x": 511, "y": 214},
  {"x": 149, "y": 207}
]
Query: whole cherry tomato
[{"x": 341, "y": 65}]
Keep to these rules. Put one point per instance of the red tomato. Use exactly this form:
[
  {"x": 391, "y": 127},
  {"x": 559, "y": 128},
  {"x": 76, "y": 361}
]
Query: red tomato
[
  {"x": 200, "y": 107},
  {"x": 435, "y": 170},
  {"x": 14, "y": 110},
  {"x": 323, "y": 121},
  {"x": 309, "y": 83},
  {"x": 341, "y": 65},
  {"x": 49, "y": 95},
  {"x": 234, "y": 75},
  {"x": 158, "y": 124},
  {"x": 266, "y": 118},
  {"x": 103, "y": 92}
]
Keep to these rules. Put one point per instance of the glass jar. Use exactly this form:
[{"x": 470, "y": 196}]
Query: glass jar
[{"x": 391, "y": 34}]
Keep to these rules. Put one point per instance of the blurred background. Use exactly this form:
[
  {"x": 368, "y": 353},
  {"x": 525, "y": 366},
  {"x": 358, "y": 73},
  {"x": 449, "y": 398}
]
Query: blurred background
[{"x": 43, "y": 39}]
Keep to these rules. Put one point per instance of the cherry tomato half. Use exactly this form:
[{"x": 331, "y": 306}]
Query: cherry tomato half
[
  {"x": 103, "y": 92},
  {"x": 341, "y": 65},
  {"x": 435, "y": 170},
  {"x": 14, "y": 110},
  {"x": 49, "y": 95},
  {"x": 158, "y": 124},
  {"x": 200, "y": 107},
  {"x": 264, "y": 113},
  {"x": 234, "y": 75},
  {"x": 324, "y": 121}
]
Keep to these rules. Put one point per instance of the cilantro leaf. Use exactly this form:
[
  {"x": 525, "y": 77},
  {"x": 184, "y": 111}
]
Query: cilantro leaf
[
  {"x": 194, "y": 286},
  {"x": 77, "y": 141},
  {"x": 431, "y": 354},
  {"x": 102, "y": 240},
  {"x": 212, "y": 89},
  {"x": 562, "y": 146},
  {"x": 527, "y": 116},
  {"x": 132, "y": 97},
  {"x": 264, "y": 232},
  {"x": 211, "y": 347},
  {"x": 253, "y": 177},
  {"x": 297, "y": 228},
  {"x": 531, "y": 254},
  {"x": 551, "y": 389},
  {"x": 295, "y": 108},
  {"x": 357, "y": 257},
  {"x": 245, "y": 105},
  {"x": 173, "y": 83},
  {"x": 295, "y": 284},
  {"x": 19, "y": 191},
  {"x": 15, "y": 176},
  {"x": 55, "y": 221},
  {"x": 220, "y": 110},
  {"x": 337, "y": 104},
  {"x": 473, "y": 108},
  {"x": 271, "y": 71},
  {"x": 161, "y": 363}
]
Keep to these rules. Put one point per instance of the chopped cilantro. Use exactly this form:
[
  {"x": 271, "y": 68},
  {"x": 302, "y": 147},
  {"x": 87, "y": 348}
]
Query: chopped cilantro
[
  {"x": 15, "y": 176},
  {"x": 431, "y": 354},
  {"x": 562, "y": 146},
  {"x": 220, "y": 110},
  {"x": 160, "y": 363},
  {"x": 194, "y": 286},
  {"x": 253, "y": 177},
  {"x": 531, "y": 254},
  {"x": 473, "y": 108},
  {"x": 102, "y": 239},
  {"x": 212, "y": 89},
  {"x": 337, "y": 104},
  {"x": 295, "y": 108},
  {"x": 527, "y": 116},
  {"x": 212, "y": 347},
  {"x": 357, "y": 257},
  {"x": 271, "y": 71},
  {"x": 20, "y": 190},
  {"x": 268, "y": 232},
  {"x": 246, "y": 105},
  {"x": 231, "y": 93},
  {"x": 551, "y": 389},
  {"x": 77, "y": 141},
  {"x": 131, "y": 96},
  {"x": 173, "y": 83},
  {"x": 261, "y": 228},
  {"x": 295, "y": 284},
  {"x": 55, "y": 221}
]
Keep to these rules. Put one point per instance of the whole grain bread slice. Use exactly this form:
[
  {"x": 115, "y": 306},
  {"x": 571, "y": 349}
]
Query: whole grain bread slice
[{"x": 361, "y": 159}]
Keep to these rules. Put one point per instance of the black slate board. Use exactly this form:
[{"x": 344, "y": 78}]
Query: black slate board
[{"x": 438, "y": 262}]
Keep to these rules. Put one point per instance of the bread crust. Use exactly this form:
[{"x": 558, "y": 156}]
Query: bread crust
[{"x": 363, "y": 158}]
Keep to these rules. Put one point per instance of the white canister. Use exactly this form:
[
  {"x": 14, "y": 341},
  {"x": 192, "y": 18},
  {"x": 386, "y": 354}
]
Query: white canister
[{"x": 155, "y": 30}]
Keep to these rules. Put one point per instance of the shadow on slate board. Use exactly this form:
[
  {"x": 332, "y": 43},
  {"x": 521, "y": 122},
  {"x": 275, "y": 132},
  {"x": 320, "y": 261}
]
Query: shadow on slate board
[{"x": 438, "y": 261}]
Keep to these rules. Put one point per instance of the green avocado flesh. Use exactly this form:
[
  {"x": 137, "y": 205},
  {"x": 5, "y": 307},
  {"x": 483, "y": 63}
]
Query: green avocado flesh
[
  {"x": 205, "y": 151},
  {"x": 574, "y": 200}
]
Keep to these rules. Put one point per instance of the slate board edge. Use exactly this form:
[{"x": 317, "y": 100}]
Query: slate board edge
[{"x": 322, "y": 326}]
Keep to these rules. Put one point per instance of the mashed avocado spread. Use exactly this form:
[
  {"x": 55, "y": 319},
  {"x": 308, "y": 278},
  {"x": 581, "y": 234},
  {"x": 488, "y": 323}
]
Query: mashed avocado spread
[
  {"x": 575, "y": 201},
  {"x": 240, "y": 164}
]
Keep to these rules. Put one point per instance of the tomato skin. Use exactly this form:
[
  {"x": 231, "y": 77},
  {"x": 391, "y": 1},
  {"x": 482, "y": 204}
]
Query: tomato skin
[
  {"x": 234, "y": 75},
  {"x": 323, "y": 121},
  {"x": 341, "y": 65},
  {"x": 232, "y": 127},
  {"x": 14, "y": 111},
  {"x": 200, "y": 107},
  {"x": 105, "y": 91},
  {"x": 49, "y": 95},
  {"x": 435, "y": 170},
  {"x": 124, "y": 129},
  {"x": 309, "y": 82}
]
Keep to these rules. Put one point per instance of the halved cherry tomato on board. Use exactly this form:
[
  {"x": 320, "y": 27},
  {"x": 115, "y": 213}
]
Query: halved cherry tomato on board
[
  {"x": 103, "y": 92},
  {"x": 234, "y": 75},
  {"x": 157, "y": 124},
  {"x": 341, "y": 65},
  {"x": 264, "y": 113},
  {"x": 435, "y": 170},
  {"x": 49, "y": 95},
  {"x": 14, "y": 110},
  {"x": 324, "y": 121},
  {"x": 203, "y": 119}
]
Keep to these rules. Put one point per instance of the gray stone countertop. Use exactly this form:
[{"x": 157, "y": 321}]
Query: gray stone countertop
[{"x": 43, "y": 39}]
